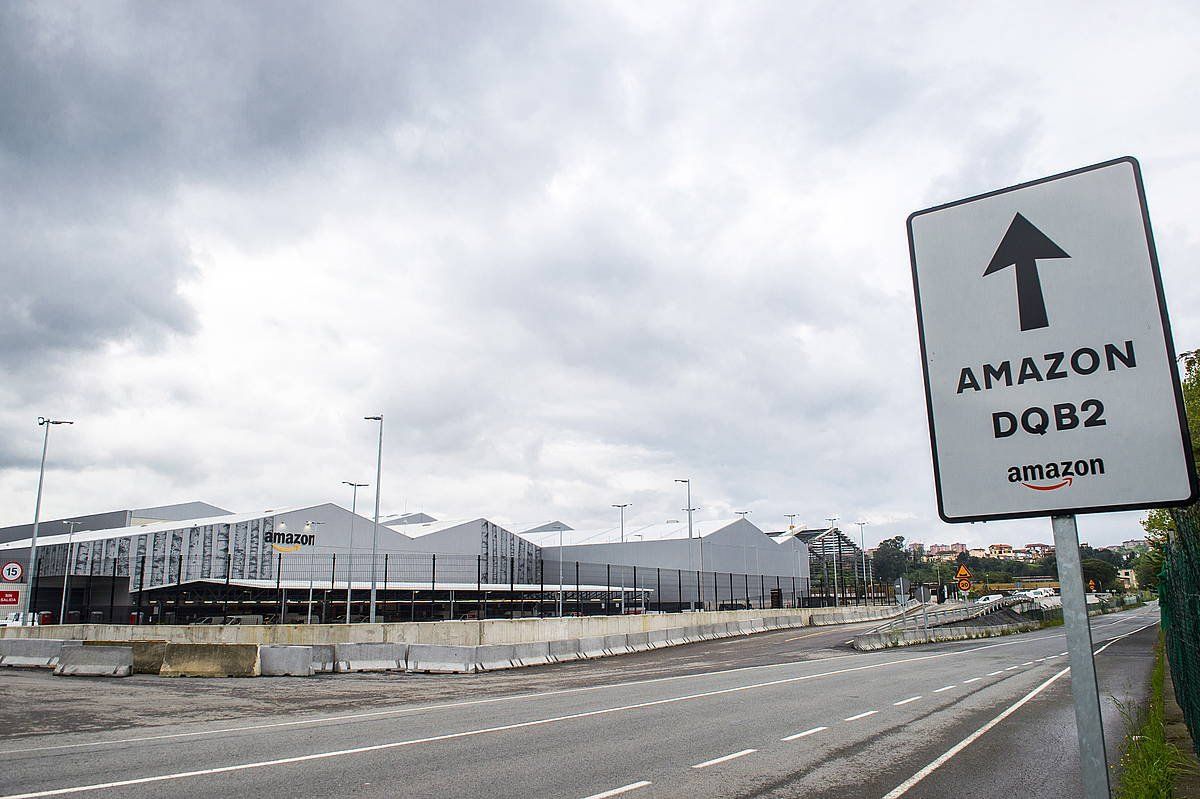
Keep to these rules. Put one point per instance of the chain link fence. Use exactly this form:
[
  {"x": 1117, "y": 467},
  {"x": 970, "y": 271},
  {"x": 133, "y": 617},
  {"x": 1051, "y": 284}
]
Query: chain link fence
[{"x": 1179, "y": 598}]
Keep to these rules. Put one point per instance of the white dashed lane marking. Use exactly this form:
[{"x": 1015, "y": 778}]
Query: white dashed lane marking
[
  {"x": 633, "y": 786},
  {"x": 973, "y": 679},
  {"x": 725, "y": 759},
  {"x": 943, "y": 688},
  {"x": 861, "y": 715},
  {"x": 804, "y": 734},
  {"x": 905, "y": 701}
]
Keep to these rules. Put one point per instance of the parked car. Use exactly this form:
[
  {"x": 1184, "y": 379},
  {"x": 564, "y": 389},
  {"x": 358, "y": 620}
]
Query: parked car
[{"x": 988, "y": 598}]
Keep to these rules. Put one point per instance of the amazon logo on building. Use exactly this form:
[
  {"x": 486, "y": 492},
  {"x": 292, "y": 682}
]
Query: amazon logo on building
[{"x": 282, "y": 541}]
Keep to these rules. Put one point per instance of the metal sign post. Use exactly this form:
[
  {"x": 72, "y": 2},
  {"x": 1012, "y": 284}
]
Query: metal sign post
[
  {"x": 1084, "y": 689},
  {"x": 1050, "y": 376}
]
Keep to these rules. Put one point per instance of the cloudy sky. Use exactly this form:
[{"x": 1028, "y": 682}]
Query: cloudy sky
[{"x": 572, "y": 251}]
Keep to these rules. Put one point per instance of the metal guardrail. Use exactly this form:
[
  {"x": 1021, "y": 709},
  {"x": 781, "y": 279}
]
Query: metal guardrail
[{"x": 940, "y": 618}]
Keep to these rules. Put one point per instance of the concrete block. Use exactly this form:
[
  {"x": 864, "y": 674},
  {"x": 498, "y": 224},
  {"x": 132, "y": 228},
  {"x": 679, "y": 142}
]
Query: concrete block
[
  {"x": 324, "y": 658},
  {"x": 438, "y": 659},
  {"x": 657, "y": 639},
  {"x": 285, "y": 661},
  {"x": 617, "y": 644},
  {"x": 742, "y": 627},
  {"x": 564, "y": 649},
  {"x": 38, "y": 653},
  {"x": 533, "y": 654},
  {"x": 95, "y": 661},
  {"x": 210, "y": 660},
  {"x": 677, "y": 636},
  {"x": 637, "y": 642},
  {"x": 494, "y": 657},
  {"x": 593, "y": 647},
  {"x": 369, "y": 657},
  {"x": 758, "y": 626},
  {"x": 147, "y": 655}
]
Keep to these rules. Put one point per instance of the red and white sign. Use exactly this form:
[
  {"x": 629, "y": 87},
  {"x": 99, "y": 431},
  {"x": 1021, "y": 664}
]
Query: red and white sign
[
  {"x": 10, "y": 597},
  {"x": 12, "y": 572}
]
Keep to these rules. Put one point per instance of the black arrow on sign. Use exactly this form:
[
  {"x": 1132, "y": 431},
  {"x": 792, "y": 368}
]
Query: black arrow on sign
[{"x": 1023, "y": 245}]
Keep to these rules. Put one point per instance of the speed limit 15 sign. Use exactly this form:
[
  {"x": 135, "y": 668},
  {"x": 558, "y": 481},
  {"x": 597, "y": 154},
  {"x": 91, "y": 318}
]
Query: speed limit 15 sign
[
  {"x": 1050, "y": 374},
  {"x": 12, "y": 572}
]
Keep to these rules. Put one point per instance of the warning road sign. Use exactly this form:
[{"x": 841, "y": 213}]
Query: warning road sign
[{"x": 963, "y": 572}]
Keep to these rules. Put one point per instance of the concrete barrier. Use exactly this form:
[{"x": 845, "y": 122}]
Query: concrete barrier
[
  {"x": 437, "y": 659},
  {"x": 617, "y": 644},
  {"x": 677, "y": 636},
  {"x": 277, "y": 660},
  {"x": 147, "y": 655},
  {"x": 324, "y": 658},
  {"x": 637, "y": 642},
  {"x": 35, "y": 653},
  {"x": 657, "y": 639},
  {"x": 593, "y": 647},
  {"x": 210, "y": 660},
  {"x": 564, "y": 650},
  {"x": 369, "y": 657},
  {"x": 531, "y": 654},
  {"x": 95, "y": 661},
  {"x": 493, "y": 657},
  {"x": 885, "y": 639}
]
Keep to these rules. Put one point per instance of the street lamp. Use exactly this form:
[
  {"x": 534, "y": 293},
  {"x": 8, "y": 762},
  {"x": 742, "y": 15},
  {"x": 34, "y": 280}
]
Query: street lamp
[
  {"x": 791, "y": 517},
  {"x": 37, "y": 512},
  {"x": 622, "y": 509},
  {"x": 691, "y": 564},
  {"x": 375, "y": 532},
  {"x": 350, "y": 561},
  {"x": 838, "y": 563},
  {"x": 743, "y": 513},
  {"x": 62, "y": 610},
  {"x": 560, "y": 569},
  {"x": 863, "y": 543}
]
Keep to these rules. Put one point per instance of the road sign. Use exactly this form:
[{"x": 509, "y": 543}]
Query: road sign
[
  {"x": 10, "y": 598},
  {"x": 963, "y": 572},
  {"x": 12, "y": 572},
  {"x": 1050, "y": 374},
  {"x": 964, "y": 585}
]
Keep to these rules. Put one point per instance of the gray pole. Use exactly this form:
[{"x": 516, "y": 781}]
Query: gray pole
[
  {"x": 862, "y": 540},
  {"x": 375, "y": 532},
  {"x": 691, "y": 563},
  {"x": 622, "y": 509},
  {"x": 62, "y": 610},
  {"x": 350, "y": 558},
  {"x": 837, "y": 564},
  {"x": 1083, "y": 667},
  {"x": 31, "y": 578},
  {"x": 560, "y": 571}
]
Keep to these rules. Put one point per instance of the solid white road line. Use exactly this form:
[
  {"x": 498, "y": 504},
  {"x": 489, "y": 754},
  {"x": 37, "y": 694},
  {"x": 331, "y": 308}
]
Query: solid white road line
[
  {"x": 973, "y": 679},
  {"x": 804, "y": 734},
  {"x": 353, "y": 717},
  {"x": 725, "y": 759},
  {"x": 633, "y": 786},
  {"x": 904, "y": 787},
  {"x": 905, "y": 701},
  {"x": 861, "y": 715},
  {"x": 943, "y": 688}
]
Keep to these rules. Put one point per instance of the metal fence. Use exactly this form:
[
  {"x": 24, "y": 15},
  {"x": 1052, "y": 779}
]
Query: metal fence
[
  {"x": 1179, "y": 599},
  {"x": 420, "y": 586}
]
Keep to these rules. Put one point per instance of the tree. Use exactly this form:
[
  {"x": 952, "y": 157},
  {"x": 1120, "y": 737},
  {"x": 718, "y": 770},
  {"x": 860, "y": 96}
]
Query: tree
[
  {"x": 1102, "y": 573},
  {"x": 1146, "y": 569},
  {"x": 890, "y": 558}
]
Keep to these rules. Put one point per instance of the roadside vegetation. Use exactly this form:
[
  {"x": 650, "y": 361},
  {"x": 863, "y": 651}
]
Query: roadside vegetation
[{"x": 1150, "y": 764}]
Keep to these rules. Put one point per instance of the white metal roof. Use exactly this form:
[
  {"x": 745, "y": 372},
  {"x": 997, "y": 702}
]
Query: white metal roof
[
  {"x": 122, "y": 532},
  {"x": 419, "y": 529},
  {"x": 667, "y": 531}
]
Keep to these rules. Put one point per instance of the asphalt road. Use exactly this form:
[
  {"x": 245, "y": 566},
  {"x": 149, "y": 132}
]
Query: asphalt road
[{"x": 780, "y": 714}]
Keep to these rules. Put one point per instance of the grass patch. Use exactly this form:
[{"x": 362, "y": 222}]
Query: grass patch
[{"x": 1149, "y": 764}]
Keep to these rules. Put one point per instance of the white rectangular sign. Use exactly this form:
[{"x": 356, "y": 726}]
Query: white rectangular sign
[{"x": 1050, "y": 374}]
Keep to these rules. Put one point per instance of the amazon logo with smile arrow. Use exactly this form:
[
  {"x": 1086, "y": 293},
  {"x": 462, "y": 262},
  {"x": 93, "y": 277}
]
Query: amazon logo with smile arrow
[{"x": 1056, "y": 474}]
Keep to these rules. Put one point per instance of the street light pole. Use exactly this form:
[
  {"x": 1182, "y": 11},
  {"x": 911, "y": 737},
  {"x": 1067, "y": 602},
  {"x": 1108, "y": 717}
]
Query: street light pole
[
  {"x": 863, "y": 542},
  {"x": 622, "y": 509},
  {"x": 742, "y": 513},
  {"x": 691, "y": 565},
  {"x": 837, "y": 563},
  {"x": 560, "y": 570},
  {"x": 791, "y": 517},
  {"x": 375, "y": 532},
  {"x": 350, "y": 558},
  {"x": 37, "y": 512},
  {"x": 62, "y": 610}
]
